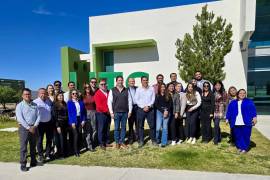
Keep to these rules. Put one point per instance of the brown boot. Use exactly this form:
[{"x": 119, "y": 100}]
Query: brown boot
[{"x": 124, "y": 146}]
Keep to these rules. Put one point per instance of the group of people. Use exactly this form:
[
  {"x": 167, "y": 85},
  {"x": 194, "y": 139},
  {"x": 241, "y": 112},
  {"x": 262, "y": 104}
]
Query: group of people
[{"x": 174, "y": 114}]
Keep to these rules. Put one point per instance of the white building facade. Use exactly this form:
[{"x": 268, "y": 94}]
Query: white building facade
[{"x": 145, "y": 40}]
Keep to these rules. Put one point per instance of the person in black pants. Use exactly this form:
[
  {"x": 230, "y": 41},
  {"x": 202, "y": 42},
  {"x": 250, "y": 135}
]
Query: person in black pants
[
  {"x": 60, "y": 118},
  {"x": 145, "y": 98},
  {"x": 76, "y": 119},
  {"x": 45, "y": 126},
  {"x": 207, "y": 112},
  {"x": 193, "y": 103},
  {"x": 179, "y": 107},
  {"x": 132, "y": 134}
]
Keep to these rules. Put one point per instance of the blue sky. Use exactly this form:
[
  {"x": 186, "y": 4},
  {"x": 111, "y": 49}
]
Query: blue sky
[{"x": 33, "y": 31}]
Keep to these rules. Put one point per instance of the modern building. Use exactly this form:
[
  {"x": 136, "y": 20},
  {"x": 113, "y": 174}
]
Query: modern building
[
  {"x": 144, "y": 42},
  {"x": 259, "y": 59}
]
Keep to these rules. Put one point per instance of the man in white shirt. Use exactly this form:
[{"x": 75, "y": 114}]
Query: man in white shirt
[
  {"x": 145, "y": 98},
  {"x": 71, "y": 86},
  {"x": 45, "y": 125}
]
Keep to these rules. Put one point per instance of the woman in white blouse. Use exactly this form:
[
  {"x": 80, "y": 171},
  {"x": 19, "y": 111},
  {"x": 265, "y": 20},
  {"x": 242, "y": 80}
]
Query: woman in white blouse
[{"x": 192, "y": 112}]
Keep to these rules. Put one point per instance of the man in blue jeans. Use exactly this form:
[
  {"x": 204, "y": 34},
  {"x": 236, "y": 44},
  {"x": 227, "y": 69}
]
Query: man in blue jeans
[
  {"x": 120, "y": 107},
  {"x": 145, "y": 98}
]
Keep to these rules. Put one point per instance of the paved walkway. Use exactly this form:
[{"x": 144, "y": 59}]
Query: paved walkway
[
  {"x": 263, "y": 125},
  {"x": 10, "y": 171}
]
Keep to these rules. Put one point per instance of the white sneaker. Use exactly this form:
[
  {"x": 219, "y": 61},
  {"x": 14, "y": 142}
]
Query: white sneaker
[
  {"x": 173, "y": 143},
  {"x": 193, "y": 141},
  {"x": 179, "y": 142},
  {"x": 189, "y": 140}
]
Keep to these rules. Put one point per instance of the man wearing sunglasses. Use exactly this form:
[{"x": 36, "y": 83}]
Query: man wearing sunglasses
[
  {"x": 102, "y": 115},
  {"x": 57, "y": 87},
  {"x": 93, "y": 84}
]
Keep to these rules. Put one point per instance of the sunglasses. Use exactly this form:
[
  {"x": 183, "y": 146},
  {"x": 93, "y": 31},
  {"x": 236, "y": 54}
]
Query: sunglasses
[
  {"x": 205, "y": 86},
  {"x": 74, "y": 93}
]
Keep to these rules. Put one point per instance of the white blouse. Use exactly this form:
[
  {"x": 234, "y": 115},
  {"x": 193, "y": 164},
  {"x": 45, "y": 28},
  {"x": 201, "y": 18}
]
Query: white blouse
[
  {"x": 239, "y": 118},
  {"x": 78, "y": 108}
]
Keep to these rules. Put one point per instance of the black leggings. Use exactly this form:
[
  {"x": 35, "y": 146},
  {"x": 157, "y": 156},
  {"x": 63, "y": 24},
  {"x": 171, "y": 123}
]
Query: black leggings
[
  {"x": 61, "y": 141},
  {"x": 191, "y": 123},
  {"x": 177, "y": 129}
]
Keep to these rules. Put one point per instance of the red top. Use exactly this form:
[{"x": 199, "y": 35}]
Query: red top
[
  {"x": 101, "y": 101},
  {"x": 89, "y": 102}
]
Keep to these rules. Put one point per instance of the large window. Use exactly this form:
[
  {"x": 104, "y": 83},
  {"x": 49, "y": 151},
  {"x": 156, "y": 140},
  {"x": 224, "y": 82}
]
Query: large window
[
  {"x": 108, "y": 59},
  {"x": 259, "y": 82}
]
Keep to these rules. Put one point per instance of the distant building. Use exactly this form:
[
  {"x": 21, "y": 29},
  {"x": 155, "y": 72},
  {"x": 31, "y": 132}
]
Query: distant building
[{"x": 14, "y": 84}]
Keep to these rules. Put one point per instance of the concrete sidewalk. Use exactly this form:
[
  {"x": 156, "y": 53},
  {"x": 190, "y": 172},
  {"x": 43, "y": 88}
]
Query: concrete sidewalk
[
  {"x": 10, "y": 171},
  {"x": 263, "y": 125}
]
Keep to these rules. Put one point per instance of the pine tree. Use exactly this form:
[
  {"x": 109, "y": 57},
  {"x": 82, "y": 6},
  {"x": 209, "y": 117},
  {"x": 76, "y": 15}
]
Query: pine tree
[{"x": 206, "y": 49}]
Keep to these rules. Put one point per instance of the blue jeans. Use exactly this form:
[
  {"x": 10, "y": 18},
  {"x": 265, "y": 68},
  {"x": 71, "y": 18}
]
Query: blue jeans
[
  {"x": 103, "y": 126},
  {"x": 120, "y": 119},
  {"x": 162, "y": 122}
]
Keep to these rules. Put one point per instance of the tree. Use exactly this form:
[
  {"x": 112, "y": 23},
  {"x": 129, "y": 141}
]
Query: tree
[
  {"x": 8, "y": 95},
  {"x": 206, "y": 49}
]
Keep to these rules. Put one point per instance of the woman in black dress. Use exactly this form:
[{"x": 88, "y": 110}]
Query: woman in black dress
[
  {"x": 60, "y": 117},
  {"x": 207, "y": 112}
]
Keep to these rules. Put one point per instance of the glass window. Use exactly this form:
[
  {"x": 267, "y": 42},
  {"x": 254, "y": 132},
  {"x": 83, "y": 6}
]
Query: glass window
[{"x": 108, "y": 61}]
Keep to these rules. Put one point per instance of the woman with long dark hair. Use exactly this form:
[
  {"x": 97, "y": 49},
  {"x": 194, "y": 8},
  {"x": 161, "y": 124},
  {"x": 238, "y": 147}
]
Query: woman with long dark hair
[
  {"x": 60, "y": 117},
  {"x": 163, "y": 105},
  {"x": 50, "y": 92},
  {"x": 192, "y": 112},
  {"x": 221, "y": 101},
  {"x": 90, "y": 123},
  {"x": 242, "y": 115},
  {"x": 207, "y": 112}
]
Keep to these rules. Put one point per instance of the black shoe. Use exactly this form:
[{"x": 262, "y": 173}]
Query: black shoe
[
  {"x": 130, "y": 141},
  {"x": 77, "y": 155},
  {"x": 33, "y": 164},
  {"x": 24, "y": 168},
  {"x": 41, "y": 159},
  {"x": 163, "y": 145}
]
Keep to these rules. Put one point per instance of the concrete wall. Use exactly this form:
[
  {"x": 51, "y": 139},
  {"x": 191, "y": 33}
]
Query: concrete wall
[{"x": 165, "y": 26}]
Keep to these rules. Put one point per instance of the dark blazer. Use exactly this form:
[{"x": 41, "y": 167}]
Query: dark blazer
[
  {"x": 248, "y": 111},
  {"x": 72, "y": 114}
]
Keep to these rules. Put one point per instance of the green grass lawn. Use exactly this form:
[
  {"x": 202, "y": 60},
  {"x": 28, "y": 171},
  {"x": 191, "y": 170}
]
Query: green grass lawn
[{"x": 201, "y": 157}]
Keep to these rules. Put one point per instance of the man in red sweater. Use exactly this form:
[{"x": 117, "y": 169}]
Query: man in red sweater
[{"x": 102, "y": 115}]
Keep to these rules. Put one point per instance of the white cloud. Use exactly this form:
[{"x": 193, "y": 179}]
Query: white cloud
[{"x": 42, "y": 11}]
